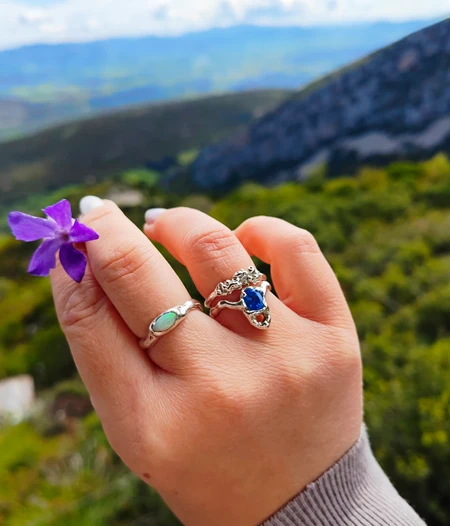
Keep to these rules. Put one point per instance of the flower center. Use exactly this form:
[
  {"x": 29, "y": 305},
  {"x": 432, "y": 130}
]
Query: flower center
[{"x": 64, "y": 236}]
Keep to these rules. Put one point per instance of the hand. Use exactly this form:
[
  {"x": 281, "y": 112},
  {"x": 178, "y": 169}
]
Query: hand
[{"x": 226, "y": 422}]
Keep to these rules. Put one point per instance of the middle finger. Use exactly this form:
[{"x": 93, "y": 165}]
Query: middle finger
[{"x": 210, "y": 251}]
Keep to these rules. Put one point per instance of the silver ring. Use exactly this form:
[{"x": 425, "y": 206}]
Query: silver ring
[
  {"x": 167, "y": 321},
  {"x": 252, "y": 303},
  {"x": 241, "y": 279}
]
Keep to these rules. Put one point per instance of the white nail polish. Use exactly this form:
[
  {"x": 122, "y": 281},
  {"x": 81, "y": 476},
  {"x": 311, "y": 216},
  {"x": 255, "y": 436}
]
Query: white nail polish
[
  {"x": 90, "y": 202},
  {"x": 152, "y": 214}
]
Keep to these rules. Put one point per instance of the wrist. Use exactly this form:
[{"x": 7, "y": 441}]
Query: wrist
[{"x": 354, "y": 491}]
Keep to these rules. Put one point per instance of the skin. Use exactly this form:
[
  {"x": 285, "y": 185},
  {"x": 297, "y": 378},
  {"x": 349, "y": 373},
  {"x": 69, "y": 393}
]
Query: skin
[{"x": 226, "y": 422}]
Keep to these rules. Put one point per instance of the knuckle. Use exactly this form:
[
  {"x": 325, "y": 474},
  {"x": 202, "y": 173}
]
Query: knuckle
[
  {"x": 215, "y": 245},
  {"x": 252, "y": 223},
  {"x": 229, "y": 404},
  {"x": 99, "y": 215},
  {"x": 285, "y": 377},
  {"x": 348, "y": 362},
  {"x": 302, "y": 241},
  {"x": 82, "y": 308},
  {"x": 290, "y": 378},
  {"x": 339, "y": 361},
  {"x": 122, "y": 262}
]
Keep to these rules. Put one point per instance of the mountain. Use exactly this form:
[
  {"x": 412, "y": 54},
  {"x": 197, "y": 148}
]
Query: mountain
[
  {"x": 392, "y": 105},
  {"x": 92, "y": 149},
  {"x": 44, "y": 84}
]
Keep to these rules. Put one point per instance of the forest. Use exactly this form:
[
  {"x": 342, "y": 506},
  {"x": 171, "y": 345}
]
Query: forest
[{"x": 386, "y": 233}]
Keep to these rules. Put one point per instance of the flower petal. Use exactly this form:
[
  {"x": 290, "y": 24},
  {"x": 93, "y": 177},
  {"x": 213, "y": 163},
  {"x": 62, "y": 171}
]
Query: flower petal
[
  {"x": 73, "y": 261},
  {"x": 44, "y": 259},
  {"x": 81, "y": 233},
  {"x": 61, "y": 212},
  {"x": 29, "y": 228}
]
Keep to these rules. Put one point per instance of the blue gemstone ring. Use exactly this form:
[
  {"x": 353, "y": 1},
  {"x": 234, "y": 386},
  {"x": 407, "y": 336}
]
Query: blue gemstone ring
[{"x": 252, "y": 302}]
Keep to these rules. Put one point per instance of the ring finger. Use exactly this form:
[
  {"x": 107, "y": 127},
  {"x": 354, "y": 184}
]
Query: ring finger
[{"x": 210, "y": 251}]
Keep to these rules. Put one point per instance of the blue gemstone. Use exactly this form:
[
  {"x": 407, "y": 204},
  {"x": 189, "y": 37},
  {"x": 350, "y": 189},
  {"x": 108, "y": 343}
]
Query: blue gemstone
[{"x": 253, "y": 299}]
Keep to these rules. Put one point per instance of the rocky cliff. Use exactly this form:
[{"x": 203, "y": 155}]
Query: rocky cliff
[{"x": 393, "y": 105}]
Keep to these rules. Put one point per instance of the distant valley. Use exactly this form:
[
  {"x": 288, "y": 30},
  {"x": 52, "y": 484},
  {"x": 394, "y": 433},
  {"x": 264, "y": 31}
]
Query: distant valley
[
  {"x": 393, "y": 105},
  {"x": 42, "y": 85}
]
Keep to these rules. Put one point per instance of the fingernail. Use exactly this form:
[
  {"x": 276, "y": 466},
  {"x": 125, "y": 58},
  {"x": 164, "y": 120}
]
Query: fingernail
[
  {"x": 90, "y": 202},
  {"x": 152, "y": 215}
]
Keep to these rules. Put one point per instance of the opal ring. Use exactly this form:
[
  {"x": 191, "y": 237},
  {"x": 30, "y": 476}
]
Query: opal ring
[
  {"x": 241, "y": 279},
  {"x": 167, "y": 321}
]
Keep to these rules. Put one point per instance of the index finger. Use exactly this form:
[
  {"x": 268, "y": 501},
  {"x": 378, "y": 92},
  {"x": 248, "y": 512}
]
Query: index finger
[
  {"x": 136, "y": 277},
  {"x": 114, "y": 369}
]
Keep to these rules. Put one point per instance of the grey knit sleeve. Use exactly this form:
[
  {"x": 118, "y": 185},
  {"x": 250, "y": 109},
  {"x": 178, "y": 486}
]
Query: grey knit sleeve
[{"x": 354, "y": 492}]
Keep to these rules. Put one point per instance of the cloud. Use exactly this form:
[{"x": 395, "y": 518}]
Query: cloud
[
  {"x": 161, "y": 13},
  {"x": 41, "y": 21},
  {"x": 275, "y": 11},
  {"x": 53, "y": 28},
  {"x": 91, "y": 24},
  {"x": 225, "y": 13},
  {"x": 29, "y": 21},
  {"x": 41, "y": 3},
  {"x": 33, "y": 17}
]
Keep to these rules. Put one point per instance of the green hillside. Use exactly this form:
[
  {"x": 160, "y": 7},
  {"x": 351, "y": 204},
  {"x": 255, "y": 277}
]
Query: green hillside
[
  {"x": 92, "y": 149},
  {"x": 387, "y": 235}
]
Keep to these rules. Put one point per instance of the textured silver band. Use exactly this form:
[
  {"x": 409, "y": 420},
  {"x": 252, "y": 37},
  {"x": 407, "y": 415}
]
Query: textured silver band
[
  {"x": 252, "y": 303},
  {"x": 167, "y": 321},
  {"x": 253, "y": 287},
  {"x": 241, "y": 279}
]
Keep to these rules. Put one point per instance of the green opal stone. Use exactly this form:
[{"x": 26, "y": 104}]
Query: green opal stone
[{"x": 165, "y": 322}]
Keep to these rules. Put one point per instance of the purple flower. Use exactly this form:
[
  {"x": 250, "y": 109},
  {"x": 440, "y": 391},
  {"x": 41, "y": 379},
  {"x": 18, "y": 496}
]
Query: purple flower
[{"x": 58, "y": 232}]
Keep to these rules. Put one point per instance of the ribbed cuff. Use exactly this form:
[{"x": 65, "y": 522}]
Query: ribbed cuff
[{"x": 354, "y": 492}]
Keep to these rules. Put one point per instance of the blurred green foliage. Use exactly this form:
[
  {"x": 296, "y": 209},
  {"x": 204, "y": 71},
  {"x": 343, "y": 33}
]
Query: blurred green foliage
[
  {"x": 386, "y": 234},
  {"x": 147, "y": 179},
  {"x": 188, "y": 157}
]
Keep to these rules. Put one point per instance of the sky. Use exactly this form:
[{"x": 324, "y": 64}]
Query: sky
[{"x": 31, "y": 21}]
